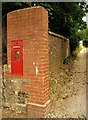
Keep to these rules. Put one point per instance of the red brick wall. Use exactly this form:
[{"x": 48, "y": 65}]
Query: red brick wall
[{"x": 31, "y": 26}]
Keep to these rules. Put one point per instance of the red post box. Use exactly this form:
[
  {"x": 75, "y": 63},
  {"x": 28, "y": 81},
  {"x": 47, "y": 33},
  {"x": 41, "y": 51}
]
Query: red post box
[{"x": 17, "y": 57}]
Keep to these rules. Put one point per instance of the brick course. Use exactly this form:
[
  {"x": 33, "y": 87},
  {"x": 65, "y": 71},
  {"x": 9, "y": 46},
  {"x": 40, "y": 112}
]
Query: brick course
[{"x": 31, "y": 26}]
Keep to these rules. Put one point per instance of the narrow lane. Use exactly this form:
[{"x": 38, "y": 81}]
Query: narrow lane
[{"x": 74, "y": 103}]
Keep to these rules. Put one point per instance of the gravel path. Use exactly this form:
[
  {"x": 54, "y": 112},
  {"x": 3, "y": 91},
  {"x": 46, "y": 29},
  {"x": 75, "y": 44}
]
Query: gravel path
[{"x": 71, "y": 101}]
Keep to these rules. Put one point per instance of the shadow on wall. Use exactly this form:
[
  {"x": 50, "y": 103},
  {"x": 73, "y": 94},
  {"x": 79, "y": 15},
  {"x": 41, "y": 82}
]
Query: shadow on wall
[{"x": 59, "y": 50}]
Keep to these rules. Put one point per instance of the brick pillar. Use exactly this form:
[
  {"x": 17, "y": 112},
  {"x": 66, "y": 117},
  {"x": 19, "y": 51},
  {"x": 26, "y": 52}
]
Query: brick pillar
[{"x": 31, "y": 26}]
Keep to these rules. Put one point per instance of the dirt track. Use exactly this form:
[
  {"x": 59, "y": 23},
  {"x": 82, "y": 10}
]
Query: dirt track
[{"x": 71, "y": 101}]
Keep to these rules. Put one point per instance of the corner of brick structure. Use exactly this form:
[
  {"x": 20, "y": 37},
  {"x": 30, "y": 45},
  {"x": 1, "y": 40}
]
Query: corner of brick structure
[
  {"x": 28, "y": 56},
  {"x": 39, "y": 111}
]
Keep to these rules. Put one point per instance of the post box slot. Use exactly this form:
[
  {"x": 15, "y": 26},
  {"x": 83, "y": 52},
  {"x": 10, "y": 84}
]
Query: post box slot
[{"x": 16, "y": 55}]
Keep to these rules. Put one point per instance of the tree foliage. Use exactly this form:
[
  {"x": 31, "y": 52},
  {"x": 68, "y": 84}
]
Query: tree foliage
[
  {"x": 11, "y": 6},
  {"x": 65, "y": 18},
  {"x": 83, "y": 34}
]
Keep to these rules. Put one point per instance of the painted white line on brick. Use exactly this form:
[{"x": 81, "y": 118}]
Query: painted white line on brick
[{"x": 39, "y": 104}]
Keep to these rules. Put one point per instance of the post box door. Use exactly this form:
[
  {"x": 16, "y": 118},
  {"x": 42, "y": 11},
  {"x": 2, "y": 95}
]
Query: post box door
[{"x": 17, "y": 57}]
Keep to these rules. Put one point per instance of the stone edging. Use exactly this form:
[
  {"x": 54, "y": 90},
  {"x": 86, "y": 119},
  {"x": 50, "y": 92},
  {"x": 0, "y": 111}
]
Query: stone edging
[{"x": 57, "y": 35}]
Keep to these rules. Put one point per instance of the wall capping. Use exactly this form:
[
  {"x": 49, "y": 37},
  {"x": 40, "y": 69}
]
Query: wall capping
[
  {"x": 23, "y": 9},
  {"x": 58, "y": 35}
]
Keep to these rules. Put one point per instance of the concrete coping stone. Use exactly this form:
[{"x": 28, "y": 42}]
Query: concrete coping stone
[
  {"x": 22, "y": 105},
  {"x": 58, "y": 35}
]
